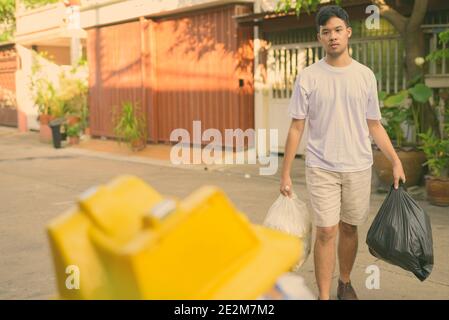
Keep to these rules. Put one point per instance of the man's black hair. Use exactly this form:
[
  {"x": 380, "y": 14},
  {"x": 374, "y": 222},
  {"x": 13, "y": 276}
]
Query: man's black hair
[{"x": 327, "y": 12}]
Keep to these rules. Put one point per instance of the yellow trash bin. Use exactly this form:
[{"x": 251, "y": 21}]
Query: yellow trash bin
[{"x": 126, "y": 241}]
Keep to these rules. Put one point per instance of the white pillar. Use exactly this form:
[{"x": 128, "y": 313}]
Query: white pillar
[
  {"x": 74, "y": 27},
  {"x": 75, "y": 50},
  {"x": 260, "y": 110}
]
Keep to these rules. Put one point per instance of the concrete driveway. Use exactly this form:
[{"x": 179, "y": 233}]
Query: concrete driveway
[{"x": 37, "y": 183}]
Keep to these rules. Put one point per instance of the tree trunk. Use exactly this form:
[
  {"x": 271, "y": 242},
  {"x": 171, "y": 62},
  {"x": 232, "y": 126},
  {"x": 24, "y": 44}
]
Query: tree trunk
[
  {"x": 410, "y": 30},
  {"x": 414, "y": 46}
]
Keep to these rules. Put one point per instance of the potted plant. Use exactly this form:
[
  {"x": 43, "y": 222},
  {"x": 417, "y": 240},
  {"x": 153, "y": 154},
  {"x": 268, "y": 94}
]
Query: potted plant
[
  {"x": 403, "y": 109},
  {"x": 44, "y": 96},
  {"x": 73, "y": 91},
  {"x": 437, "y": 154},
  {"x": 64, "y": 98},
  {"x": 130, "y": 126},
  {"x": 73, "y": 133}
]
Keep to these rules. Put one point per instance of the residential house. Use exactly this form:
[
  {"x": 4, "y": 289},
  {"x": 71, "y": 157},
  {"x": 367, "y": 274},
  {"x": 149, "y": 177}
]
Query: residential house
[
  {"x": 44, "y": 29},
  {"x": 179, "y": 61},
  {"x": 285, "y": 44}
]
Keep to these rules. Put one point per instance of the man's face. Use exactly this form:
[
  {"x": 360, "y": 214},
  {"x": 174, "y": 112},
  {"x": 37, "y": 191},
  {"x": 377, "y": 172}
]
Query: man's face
[{"x": 334, "y": 36}]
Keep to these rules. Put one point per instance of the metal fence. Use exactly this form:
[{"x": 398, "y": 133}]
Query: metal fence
[
  {"x": 381, "y": 49},
  {"x": 441, "y": 66},
  {"x": 385, "y": 56}
]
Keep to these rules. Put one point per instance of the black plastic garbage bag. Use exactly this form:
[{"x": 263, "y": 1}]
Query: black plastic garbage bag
[{"x": 401, "y": 234}]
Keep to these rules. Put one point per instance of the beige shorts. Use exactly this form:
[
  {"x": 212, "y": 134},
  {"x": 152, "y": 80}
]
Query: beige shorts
[{"x": 336, "y": 196}]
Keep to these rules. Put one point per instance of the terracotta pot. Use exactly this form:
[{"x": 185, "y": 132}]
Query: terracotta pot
[
  {"x": 45, "y": 134},
  {"x": 412, "y": 162},
  {"x": 138, "y": 145},
  {"x": 22, "y": 121},
  {"x": 74, "y": 140},
  {"x": 437, "y": 191}
]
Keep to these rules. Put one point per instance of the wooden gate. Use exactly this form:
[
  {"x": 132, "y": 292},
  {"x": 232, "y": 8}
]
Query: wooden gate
[
  {"x": 195, "y": 66},
  {"x": 8, "y": 67}
]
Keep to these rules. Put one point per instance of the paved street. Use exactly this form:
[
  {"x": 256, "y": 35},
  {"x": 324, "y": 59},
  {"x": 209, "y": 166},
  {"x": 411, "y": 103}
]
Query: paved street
[{"x": 37, "y": 183}]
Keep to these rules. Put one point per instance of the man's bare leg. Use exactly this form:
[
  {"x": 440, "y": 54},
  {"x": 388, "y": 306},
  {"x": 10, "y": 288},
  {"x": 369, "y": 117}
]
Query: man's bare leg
[
  {"x": 324, "y": 255},
  {"x": 347, "y": 249}
]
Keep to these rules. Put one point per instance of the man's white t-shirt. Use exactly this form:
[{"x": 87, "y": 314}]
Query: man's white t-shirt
[{"x": 336, "y": 101}]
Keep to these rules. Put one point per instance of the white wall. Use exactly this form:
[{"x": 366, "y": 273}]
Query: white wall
[
  {"x": 270, "y": 113},
  {"x": 25, "y": 101},
  {"x": 28, "y": 21}
]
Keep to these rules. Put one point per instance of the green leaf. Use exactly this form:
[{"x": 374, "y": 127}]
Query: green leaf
[
  {"x": 416, "y": 79},
  {"x": 130, "y": 123},
  {"x": 438, "y": 55},
  {"x": 441, "y": 53},
  {"x": 444, "y": 36},
  {"x": 420, "y": 92},
  {"x": 382, "y": 95},
  {"x": 396, "y": 100}
]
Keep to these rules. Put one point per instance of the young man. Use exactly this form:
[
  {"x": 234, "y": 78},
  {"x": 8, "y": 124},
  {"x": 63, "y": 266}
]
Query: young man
[{"x": 338, "y": 97}]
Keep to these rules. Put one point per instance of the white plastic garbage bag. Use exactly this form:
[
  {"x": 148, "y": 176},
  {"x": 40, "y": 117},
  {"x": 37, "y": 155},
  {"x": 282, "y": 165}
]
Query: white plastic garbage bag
[
  {"x": 291, "y": 215},
  {"x": 289, "y": 286}
]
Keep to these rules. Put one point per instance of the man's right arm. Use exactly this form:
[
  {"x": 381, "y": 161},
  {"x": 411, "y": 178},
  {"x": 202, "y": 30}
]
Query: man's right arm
[{"x": 293, "y": 139}]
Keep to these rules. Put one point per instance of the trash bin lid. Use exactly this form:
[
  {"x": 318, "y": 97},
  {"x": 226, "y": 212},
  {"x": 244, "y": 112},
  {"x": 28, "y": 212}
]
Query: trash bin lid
[{"x": 56, "y": 122}]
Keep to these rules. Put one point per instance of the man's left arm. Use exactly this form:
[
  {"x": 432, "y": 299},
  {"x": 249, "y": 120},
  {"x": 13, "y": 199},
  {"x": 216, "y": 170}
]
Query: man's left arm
[{"x": 380, "y": 136}]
